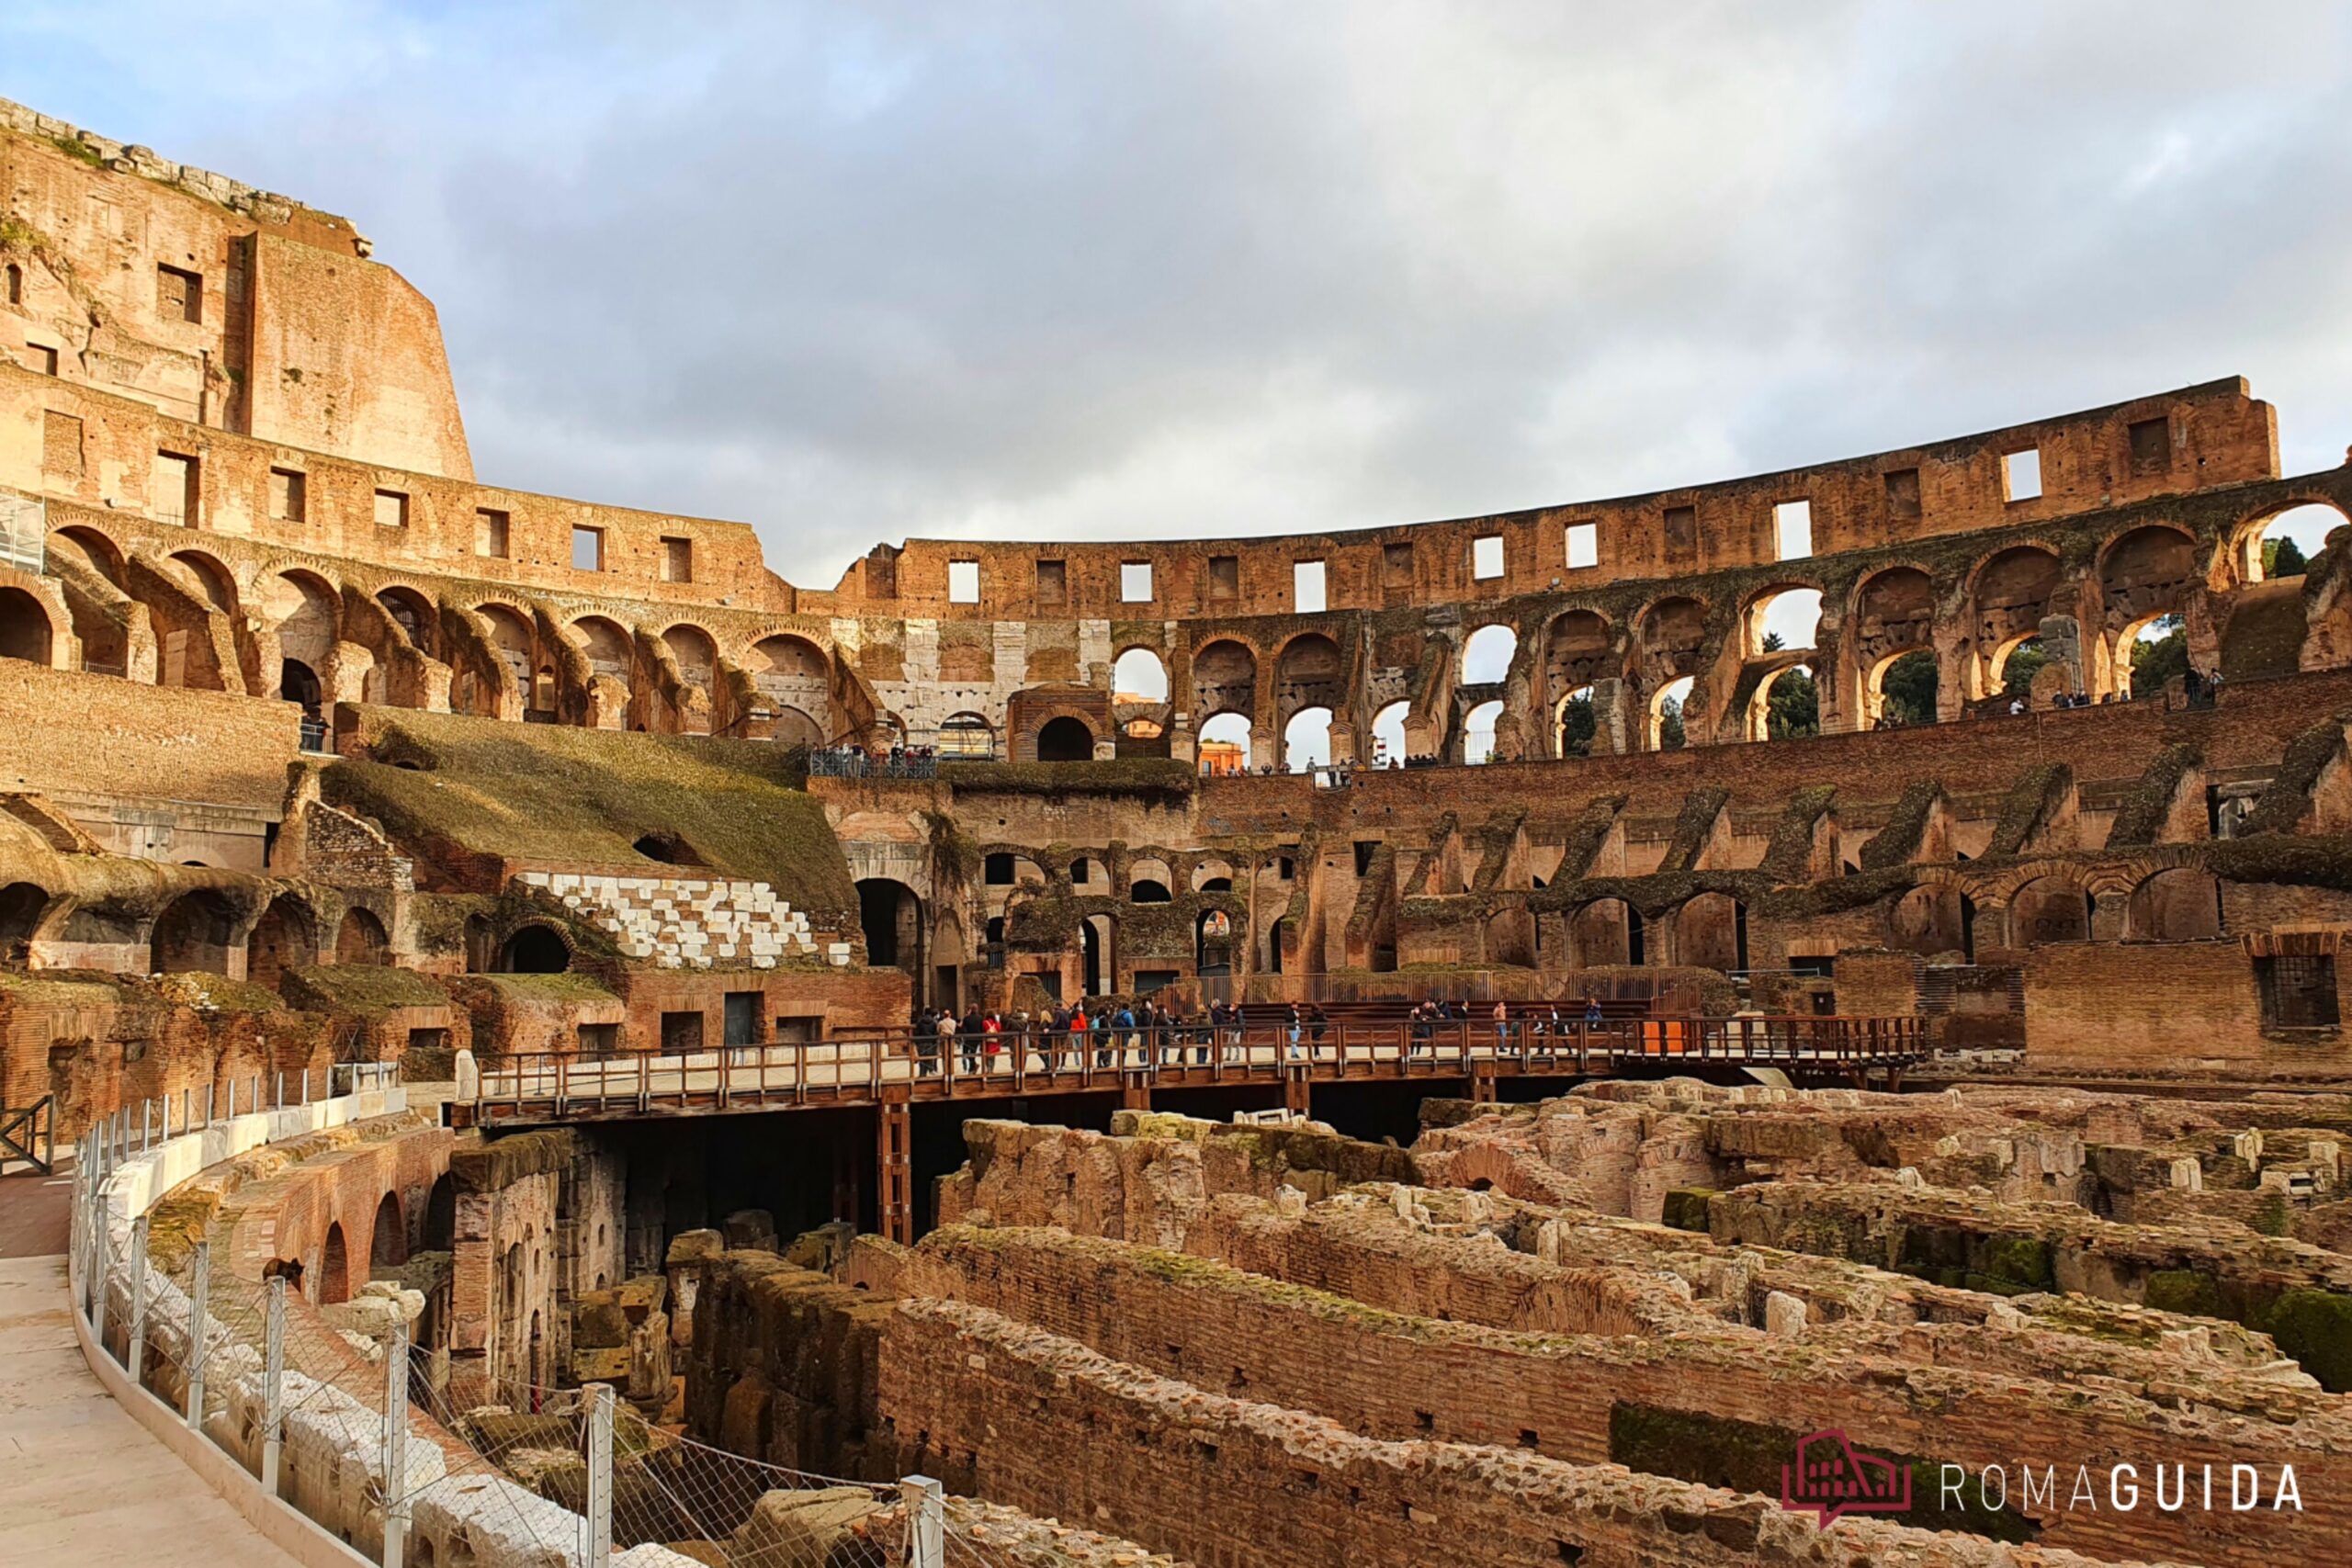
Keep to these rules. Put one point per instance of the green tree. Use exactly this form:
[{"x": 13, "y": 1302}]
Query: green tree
[
  {"x": 1669, "y": 724},
  {"x": 1577, "y": 726},
  {"x": 1793, "y": 709},
  {"x": 2282, "y": 556},
  {"x": 2156, "y": 661},
  {"x": 2025, "y": 663},
  {"x": 1909, "y": 688}
]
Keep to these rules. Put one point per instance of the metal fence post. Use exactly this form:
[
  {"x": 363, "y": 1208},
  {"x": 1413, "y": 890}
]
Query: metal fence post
[
  {"x": 597, "y": 1548},
  {"x": 273, "y": 1384},
  {"x": 396, "y": 1447},
  {"x": 138, "y": 1357},
  {"x": 101, "y": 1259},
  {"x": 198, "y": 1292},
  {"x": 926, "y": 1503}
]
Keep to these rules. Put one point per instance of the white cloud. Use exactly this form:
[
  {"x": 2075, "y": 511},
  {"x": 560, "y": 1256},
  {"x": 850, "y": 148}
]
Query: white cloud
[{"x": 857, "y": 273}]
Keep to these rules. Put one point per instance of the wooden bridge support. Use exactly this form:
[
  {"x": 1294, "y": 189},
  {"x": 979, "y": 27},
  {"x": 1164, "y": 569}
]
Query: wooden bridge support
[
  {"x": 896, "y": 1148},
  {"x": 1135, "y": 1094},
  {"x": 1298, "y": 1091},
  {"x": 1482, "y": 1089}
]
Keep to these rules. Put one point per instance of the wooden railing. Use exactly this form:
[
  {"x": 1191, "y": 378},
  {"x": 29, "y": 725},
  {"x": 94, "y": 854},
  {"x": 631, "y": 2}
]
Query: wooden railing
[{"x": 869, "y": 1066}]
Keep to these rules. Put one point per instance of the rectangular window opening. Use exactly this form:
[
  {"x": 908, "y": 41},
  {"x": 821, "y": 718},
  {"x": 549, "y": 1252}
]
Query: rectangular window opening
[
  {"x": 391, "y": 509},
  {"x": 490, "y": 532},
  {"x": 2022, "y": 474},
  {"x": 1903, "y": 493},
  {"x": 44, "y": 359},
  {"x": 287, "y": 497},
  {"x": 1306, "y": 587},
  {"x": 176, "y": 489},
  {"x": 1134, "y": 582},
  {"x": 1225, "y": 577},
  {"x": 1584, "y": 545},
  {"x": 587, "y": 549},
  {"x": 963, "y": 582},
  {"x": 2151, "y": 446},
  {"x": 1487, "y": 557},
  {"x": 677, "y": 560},
  {"x": 1681, "y": 523},
  {"x": 1397, "y": 566},
  {"x": 1053, "y": 582},
  {"x": 179, "y": 294},
  {"x": 2298, "y": 991},
  {"x": 1793, "y": 530}
]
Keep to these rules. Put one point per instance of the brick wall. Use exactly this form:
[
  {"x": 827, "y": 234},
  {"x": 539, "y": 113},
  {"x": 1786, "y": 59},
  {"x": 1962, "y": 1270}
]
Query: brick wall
[
  {"x": 97, "y": 736},
  {"x": 2157, "y": 1009},
  {"x": 1039, "y": 1422},
  {"x": 1371, "y": 1370}
]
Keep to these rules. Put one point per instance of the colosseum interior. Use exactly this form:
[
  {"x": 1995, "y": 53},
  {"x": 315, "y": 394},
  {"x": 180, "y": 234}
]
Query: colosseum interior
[{"x": 1884, "y": 920}]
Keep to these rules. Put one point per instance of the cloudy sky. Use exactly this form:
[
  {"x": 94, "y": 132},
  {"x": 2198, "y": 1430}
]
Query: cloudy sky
[{"x": 857, "y": 272}]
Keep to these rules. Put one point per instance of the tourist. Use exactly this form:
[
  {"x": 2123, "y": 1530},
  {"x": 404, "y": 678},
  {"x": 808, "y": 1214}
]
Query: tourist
[
  {"x": 926, "y": 1043},
  {"x": 1502, "y": 1026},
  {"x": 1317, "y": 1022},
  {"x": 968, "y": 1042},
  {"x": 1297, "y": 1025},
  {"x": 1123, "y": 1031},
  {"x": 1058, "y": 1036},
  {"x": 991, "y": 1038}
]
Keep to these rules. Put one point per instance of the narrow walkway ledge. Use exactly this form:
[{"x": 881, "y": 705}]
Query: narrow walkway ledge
[{"x": 82, "y": 1480}]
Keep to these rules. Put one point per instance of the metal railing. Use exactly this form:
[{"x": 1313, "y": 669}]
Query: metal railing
[
  {"x": 29, "y": 1133},
  {"x": 859, "y": 1069},
  {"x": 24, "y": 534},
  {"x": 249, "y": 1366},
  {"x": 835, "y": 762}
]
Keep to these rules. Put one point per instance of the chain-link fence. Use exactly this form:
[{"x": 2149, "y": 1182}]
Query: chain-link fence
[{"x": 338, "y": 1415}]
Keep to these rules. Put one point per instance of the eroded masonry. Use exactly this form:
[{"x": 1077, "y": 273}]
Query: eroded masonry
[{"x": 1482, "y": 1041}]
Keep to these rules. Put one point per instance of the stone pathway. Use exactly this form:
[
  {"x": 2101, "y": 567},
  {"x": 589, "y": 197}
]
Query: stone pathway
[{"x": 80, "y": 1481}]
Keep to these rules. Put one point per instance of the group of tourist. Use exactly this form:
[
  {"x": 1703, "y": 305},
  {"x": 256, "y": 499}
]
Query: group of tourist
[
  {"x": 1117, "y": 1033},
  {"x": 849, "y": 760}
]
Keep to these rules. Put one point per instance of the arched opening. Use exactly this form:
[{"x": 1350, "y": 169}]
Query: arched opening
[
  {"x": 1213, "y": 943},
  {"x": 281, "y": 940},
  {"x": 1904, "y": 689},
  {"x": 89, "y": 572},
  {"x": 535, "y": 950},
  {"x": 334, "y": 1267},
  {"x": 388, "y": 1240},
  {"x": 1573, "y": 722},
  {"x": 697, "y": 655},
  {"x": 2286, "y": 544},
  {"x": 1388, "y": 735},
  {"x": 2180, "y": 905},
  {"x": 1666, "y": 715},
  {"x": 794, "y": 728},
  {"x": 1927, "y": 921},
  {"x": 207, "y": 579},
  {"x": 360, "y": 939},
  {"x": 1486, "y": 655},
  {"x": 1711, "y": 932},
  {"x": 24, "y": 631},
  {"x": 21, "y": 904},
  {"x": 481, "y": 949},
  {"x": 1604, "y": 932},
  {"x": 1212, "y": 876},
  {"x": 668, "y": 849},
  {"x": 1065, "y": 740},
  {"x": 1225, "y": 679},
  {"x": 1146, "y": 891},
  {"x": 967, "y": 735},
  {"x": 1509, "y": 937},
  {"x": 1098, "y": 957},
  {"x": 1787, "y": 705},
  {"x": 299, "y": 683},
  {"x": 192, "y": 935},
  {"x": 1225, "y": 744},
  {"x": 1139, "y": 676},
  {"x": 2048, "y": 910},
  {"x": 610, "y": 653},
  {"x": 1274, "y": 944},
  {"x": 1306, "y": 739},
  {"x": 2158, "y": 650},
  {"x": 441, "y": 1214},
  {"x": 414, "y": 616},
  {"x": 891, "y": 917},
  {"x": 1788, "y": 618},
  {"x": 2016, "y": 666},
  {"x": 1478, "y": 733}
]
